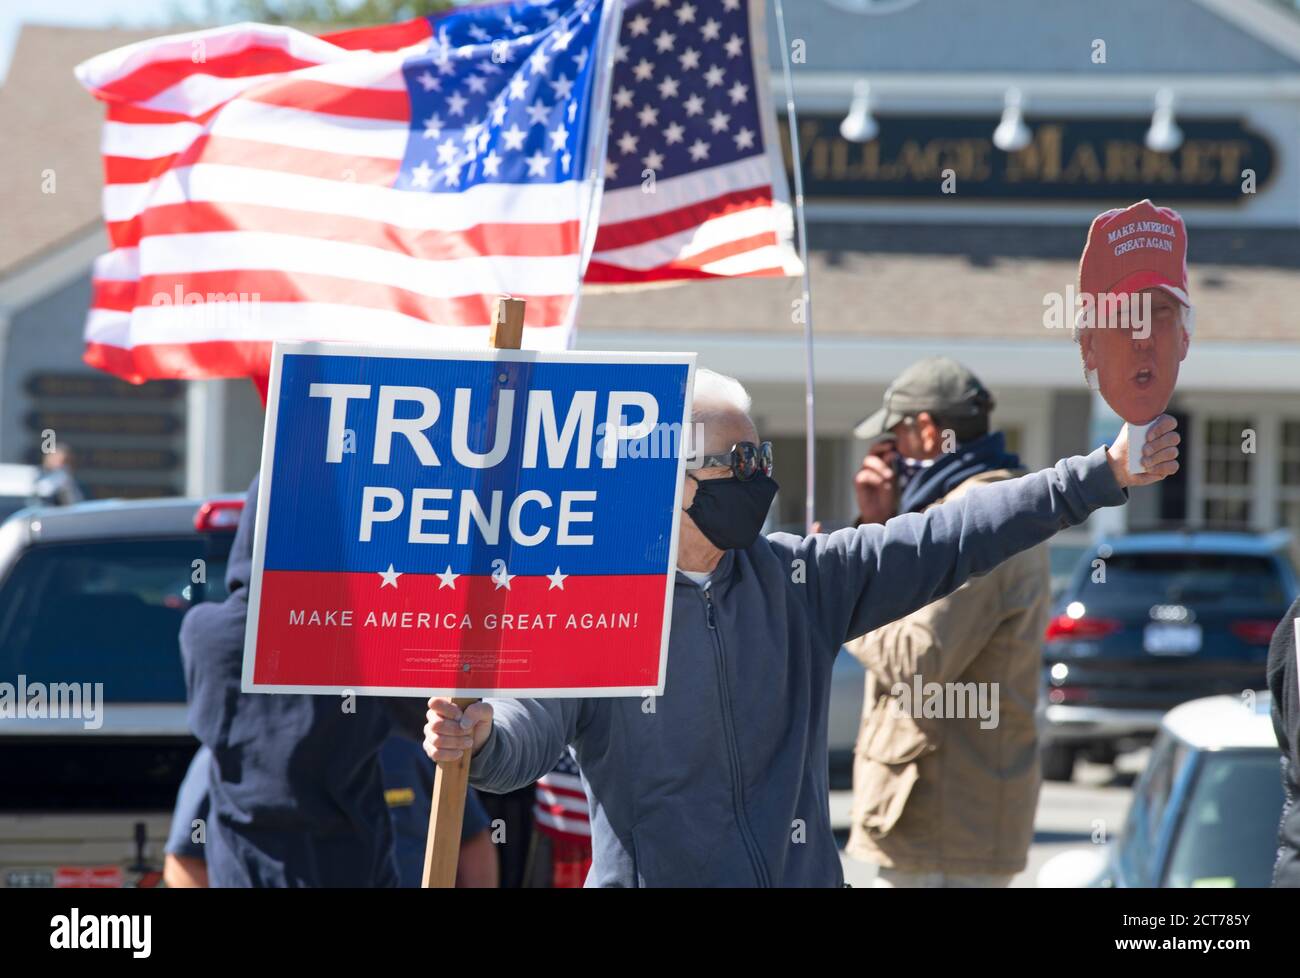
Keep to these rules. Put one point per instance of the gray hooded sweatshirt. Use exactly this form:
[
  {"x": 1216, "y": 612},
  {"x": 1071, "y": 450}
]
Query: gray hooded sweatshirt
[{"x": 723, "y": 781}]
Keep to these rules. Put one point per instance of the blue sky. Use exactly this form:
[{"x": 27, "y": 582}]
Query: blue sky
[{"x": 85, "y": 13}]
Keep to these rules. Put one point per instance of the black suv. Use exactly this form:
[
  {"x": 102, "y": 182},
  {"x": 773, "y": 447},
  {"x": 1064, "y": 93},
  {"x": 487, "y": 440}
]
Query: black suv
[{"x": 1152, "y": 620}]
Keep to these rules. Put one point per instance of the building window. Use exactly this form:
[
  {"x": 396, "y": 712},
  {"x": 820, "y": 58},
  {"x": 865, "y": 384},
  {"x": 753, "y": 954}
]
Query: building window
[
  {"x": 1226, "y": 473},
  {"x": 1289, "y": 477}
]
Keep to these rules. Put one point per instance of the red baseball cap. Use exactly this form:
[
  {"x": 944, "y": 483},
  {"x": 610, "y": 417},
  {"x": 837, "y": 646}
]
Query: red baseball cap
[{"x": 1134, "y": 248}]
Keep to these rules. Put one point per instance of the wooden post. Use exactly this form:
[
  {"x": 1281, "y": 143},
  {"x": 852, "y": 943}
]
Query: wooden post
[{"x": 447, "y": 813}]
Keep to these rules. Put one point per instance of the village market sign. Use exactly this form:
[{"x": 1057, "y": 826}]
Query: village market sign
[{"x": 1068, "y": 159}]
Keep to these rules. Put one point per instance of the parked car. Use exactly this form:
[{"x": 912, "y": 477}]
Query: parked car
[
  {"x": 1205, "y": 812},
  {"x": 95, "y": 593},
  {"x": 1152, "y": 620}
]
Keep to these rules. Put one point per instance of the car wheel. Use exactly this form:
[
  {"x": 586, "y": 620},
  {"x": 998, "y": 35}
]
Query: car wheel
[{"x": 1058, "y": 762}]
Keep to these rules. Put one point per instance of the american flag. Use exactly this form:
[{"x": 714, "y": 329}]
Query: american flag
[
  {"x": 387, "y": 183},
  {"x": 561, "y": 804},
  {"x": 694, "y": 181}
]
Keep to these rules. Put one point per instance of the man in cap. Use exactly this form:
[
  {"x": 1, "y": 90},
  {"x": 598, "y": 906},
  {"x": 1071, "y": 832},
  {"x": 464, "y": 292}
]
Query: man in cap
[{"x": 946, "y": 774}]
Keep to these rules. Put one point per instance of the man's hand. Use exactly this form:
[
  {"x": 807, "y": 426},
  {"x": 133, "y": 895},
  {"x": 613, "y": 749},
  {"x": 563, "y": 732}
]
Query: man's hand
[
  {"x": 875, "y": 484},
  {"x": 1159, "y": 455},
  {"x": 451, "y": 730}
]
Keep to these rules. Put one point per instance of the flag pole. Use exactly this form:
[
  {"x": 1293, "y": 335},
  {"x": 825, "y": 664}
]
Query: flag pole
[{"x": 810, "y": 398}]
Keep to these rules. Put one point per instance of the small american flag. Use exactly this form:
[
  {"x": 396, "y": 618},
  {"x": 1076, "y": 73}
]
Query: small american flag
[
  {"x": 385, "y": 183},
  {"x": 694, "y": 180},
  {"x": 561, "y": 804}
]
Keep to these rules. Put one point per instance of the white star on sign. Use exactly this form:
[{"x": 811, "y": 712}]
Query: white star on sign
[
  {"x": 623, "y": 98},
  {"x": 738, "y": 92},
  {"x": 390, "y": 577},
  {"x": 537, "y": 164},
  {"x": 690, "y": 59},
  {"x": 673, "y": 133},
  {"x": 648, "y": 115},
  {"x": 639, "y": 25},
  {"x": 502, "y": 579},
  {"x": 686, "y": 13},
  {"x": 428, "y": 82},
  {"x": 447, "y": 151},
  {"x": 719, "y": 121},
  {"x": 665, "y": 41},
  {"x": 559, "y": 135},
  {"x": 491, "y": 164},
  {"x": 447, "y": 579},
  {"x": 456, "y": 103},
  {"x": 699, "y": 150},
  {"x": 557, "y": 580},
  {"x": 477, "y": 84},
  {"x": 580, "y": 59},
  {"x": 518, "y": 87},
  {"x": 653, "y": 160},
  {"x": 694, "y": 105},
  {"x": 668, "y": 87},
  {"x": 710, "y": 30},
  {"x": 562, "y": 40},
  {"x": 611, "y": 170},
  {"x": 539, "y": 61},
  {"x": 644, "y": 70},
  {"x": 714, "y": 76},
  {"x": 433, "y": 126},
  {"x": 627, "y": 143},
  {"x": 744, "y": 139},
  {"x": 734, "y": 46}
]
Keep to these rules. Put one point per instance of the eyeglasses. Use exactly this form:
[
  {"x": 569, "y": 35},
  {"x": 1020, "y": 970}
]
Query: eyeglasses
[{"x": 745, "y": 460}]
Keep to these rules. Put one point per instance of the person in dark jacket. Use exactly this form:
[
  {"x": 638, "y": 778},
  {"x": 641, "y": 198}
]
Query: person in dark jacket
[
  {"x": 295, "y": 787},
  {"x": 1284, "y": 684}
]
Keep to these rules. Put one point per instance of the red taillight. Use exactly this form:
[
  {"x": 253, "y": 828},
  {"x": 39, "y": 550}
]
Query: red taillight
[
  {"x": 219, "y": 516},
  {"x": 1254, "y": 631},
  {"x": 1063, "y": 627}
]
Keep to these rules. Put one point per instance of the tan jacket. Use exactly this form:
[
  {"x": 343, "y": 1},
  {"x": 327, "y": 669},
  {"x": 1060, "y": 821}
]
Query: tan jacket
[{"x": 950, "y": 791}]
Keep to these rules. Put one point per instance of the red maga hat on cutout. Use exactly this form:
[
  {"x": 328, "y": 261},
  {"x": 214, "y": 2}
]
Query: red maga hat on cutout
[{"x": 1134, "y": 248}]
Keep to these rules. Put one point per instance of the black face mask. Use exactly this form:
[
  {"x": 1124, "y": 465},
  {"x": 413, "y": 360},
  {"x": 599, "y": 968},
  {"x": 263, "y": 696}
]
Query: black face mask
[{"x": 730, "y": 513}]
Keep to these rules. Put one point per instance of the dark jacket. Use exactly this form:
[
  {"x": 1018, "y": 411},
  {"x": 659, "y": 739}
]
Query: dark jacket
[
  {"x": 295, "y": 786},
  {"x": 723, "y": 780},
  {"x": 1282, "y": 683}
]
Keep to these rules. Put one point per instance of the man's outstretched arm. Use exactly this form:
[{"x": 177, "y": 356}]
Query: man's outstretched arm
[{"x": 865, "y": 577}]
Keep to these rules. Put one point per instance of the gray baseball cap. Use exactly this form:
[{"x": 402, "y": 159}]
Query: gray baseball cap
[{"x": 937, "y": 385}]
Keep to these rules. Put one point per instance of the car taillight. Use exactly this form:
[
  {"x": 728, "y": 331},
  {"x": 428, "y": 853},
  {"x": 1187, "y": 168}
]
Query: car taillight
[
  {"x": 1254, "y": 631},
  {"x": 218, "y": 516},
  {"x": 1063, "y": 628}
]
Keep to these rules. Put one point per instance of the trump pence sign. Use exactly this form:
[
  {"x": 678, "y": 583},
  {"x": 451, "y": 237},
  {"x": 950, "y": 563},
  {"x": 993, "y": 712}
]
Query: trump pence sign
[{"x": 494, "y": 523}]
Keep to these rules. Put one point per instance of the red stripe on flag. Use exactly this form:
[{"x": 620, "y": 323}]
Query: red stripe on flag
[
  {"x": 642, "y": 229},
  {"x": 602, "y": 273},
  {"x": 254, "y": 154},
  {"x": 317, "y": 96},
  {"x": 143, "y": 83},
  {"x": 266, "y": 285},
  {"x": 518, "y": 240},
  {"x": 387, "y": 37},
  {"x": 187, "y": 361}
]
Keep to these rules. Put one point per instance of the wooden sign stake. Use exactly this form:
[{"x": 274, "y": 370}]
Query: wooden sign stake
[{"x": 447, "y": 813}]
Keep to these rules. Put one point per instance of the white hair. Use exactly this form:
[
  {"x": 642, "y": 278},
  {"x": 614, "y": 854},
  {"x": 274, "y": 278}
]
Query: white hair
[{"x": 715, "y": 389}]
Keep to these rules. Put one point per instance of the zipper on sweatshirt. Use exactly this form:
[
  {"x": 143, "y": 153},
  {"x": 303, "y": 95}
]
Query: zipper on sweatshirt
[{"x": 733, "y": 751}]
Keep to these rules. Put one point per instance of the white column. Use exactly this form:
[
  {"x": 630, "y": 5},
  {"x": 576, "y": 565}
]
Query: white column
[{"x": 205, "y": 431}]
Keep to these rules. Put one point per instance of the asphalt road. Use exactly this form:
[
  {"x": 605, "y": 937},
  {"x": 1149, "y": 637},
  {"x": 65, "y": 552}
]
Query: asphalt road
[{"x": 1067, "y": 818}]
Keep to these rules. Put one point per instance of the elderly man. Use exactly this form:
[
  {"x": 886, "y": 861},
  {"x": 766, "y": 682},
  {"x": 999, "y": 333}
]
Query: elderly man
[{"x": 723, "y": 780}]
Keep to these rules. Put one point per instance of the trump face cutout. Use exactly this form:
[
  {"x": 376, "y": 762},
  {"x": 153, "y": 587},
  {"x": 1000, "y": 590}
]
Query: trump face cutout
[
  {"x": 1136, "y": 356},
  {"x": 1134, "y": 328}
]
